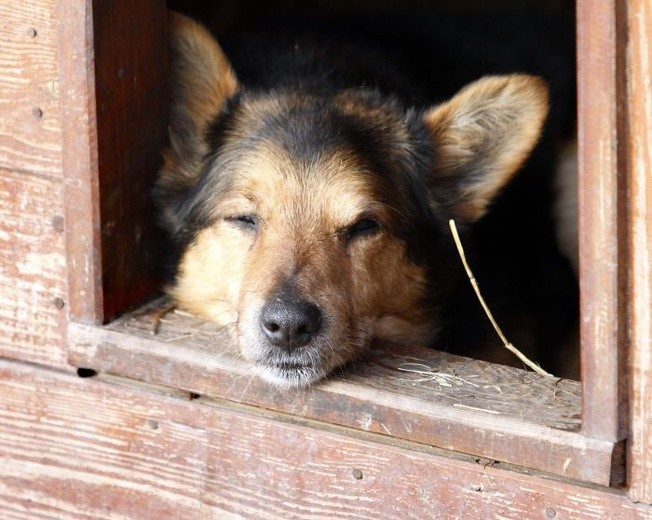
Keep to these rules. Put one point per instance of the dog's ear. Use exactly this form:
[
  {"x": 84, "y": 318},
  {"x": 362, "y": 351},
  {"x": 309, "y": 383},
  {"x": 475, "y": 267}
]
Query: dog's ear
[
  {"x": 201, "y": 80},
  {"x": 482, "y": 136}
]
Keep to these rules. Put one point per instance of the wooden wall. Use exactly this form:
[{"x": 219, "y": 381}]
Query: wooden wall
[
  {"x": 32, "y": 262},
  {"x": 112, "y": 448},
  {"x": 639, "y": 238}
]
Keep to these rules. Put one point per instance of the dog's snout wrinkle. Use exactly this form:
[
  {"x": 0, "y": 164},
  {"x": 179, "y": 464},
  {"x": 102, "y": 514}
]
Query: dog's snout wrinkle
[{"x": 290, "y": 324}]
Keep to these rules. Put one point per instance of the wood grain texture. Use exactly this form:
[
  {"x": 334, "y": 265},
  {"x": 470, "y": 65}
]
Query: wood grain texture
[
  {"x": 132, "y": 108},
  {"x": 640, "y": 246},
  {"x": 601, "y": 46},
  {"x": 80, "y": 160},
  {"x": 114, "y": 103},
  {"x": 73, "y": 448},
  {"x": 421, "y": 395},
  {"x": 32, "y": 269},
  {"x": 30, "y": 126}
]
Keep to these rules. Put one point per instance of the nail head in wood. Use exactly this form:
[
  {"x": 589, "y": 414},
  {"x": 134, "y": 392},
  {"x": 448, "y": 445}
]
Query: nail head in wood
[{"x": 57, "y": 223}]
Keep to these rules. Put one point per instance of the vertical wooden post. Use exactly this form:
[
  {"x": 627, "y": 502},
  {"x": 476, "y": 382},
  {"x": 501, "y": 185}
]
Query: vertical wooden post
[
  {"x": 639, "y": 234},
  {"x": 79, "y": 157},
  {"x": 602, "y": 220},
  {"x": 113, "y": 65}
]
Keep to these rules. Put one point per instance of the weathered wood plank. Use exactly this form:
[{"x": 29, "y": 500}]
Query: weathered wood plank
[
  {"x": 32, "y": 269},
  {"x": 115, "y": 110},
  {"x": 30, "y": 127},
  {"x": 75, "y": 448},
  {"x": 601, "y": 45},
  {"x": 79, "y": 137},
  {"x": 417, "y": 394},
  {"x": 640, "y": 247}
]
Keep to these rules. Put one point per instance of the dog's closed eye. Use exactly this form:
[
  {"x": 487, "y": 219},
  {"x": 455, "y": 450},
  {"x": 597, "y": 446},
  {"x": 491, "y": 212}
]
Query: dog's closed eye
[
  {"x": 246, "y": 221},
  {"x": 362, "y": 228}
]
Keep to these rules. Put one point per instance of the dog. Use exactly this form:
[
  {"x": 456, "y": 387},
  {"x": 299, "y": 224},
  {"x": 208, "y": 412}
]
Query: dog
[{"x": 307, "y": 190}]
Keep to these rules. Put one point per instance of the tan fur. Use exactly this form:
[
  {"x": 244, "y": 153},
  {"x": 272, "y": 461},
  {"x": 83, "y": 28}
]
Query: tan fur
[
  {"x": 227, "y": 275},
  {"x": 490, "y": 127},
  {"x": 565, "y": 204}
]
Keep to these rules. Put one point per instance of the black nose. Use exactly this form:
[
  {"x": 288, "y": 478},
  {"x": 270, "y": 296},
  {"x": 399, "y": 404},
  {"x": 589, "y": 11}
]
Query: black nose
[{"x": 290, "y": 323}]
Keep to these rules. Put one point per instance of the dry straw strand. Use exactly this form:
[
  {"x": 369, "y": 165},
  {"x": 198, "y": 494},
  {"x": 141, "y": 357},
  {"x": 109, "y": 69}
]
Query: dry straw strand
[{"x": 508, "y": 345}]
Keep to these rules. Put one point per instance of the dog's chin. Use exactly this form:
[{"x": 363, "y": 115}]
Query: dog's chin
[
  {"x": 304, "y": 367},
  {"x": 290, "y": 375}
]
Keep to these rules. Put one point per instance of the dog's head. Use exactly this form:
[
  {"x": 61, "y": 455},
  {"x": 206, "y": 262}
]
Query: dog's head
[{"x": 310, "y": 223}]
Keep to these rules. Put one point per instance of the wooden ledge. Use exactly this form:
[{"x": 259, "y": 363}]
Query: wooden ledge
[{"x": 492, "y": 411}]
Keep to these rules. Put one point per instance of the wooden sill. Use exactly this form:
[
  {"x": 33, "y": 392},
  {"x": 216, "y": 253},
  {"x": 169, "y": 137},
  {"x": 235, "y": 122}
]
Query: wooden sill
[{"x": 491, "y": 411}]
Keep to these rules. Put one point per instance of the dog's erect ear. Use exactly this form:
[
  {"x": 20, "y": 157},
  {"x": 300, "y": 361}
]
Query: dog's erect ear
[
  {"x": 482, "y": 136},
  {"x": 201, "y": 80}
]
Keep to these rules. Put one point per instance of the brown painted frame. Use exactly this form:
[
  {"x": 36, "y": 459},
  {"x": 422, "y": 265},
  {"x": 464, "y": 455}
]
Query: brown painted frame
[
  {"x": 108, "y": 167},
  {"x": 113, "y": 58}
]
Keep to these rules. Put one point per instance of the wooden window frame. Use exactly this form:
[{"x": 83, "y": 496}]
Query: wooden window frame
[{"x": 113, "y": 100}]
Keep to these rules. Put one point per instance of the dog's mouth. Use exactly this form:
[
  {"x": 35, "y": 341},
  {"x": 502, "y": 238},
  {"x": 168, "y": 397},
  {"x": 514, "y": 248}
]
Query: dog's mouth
[
  {"x": 290, "y": 366},
  {"x": 290, "y": 374}
]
